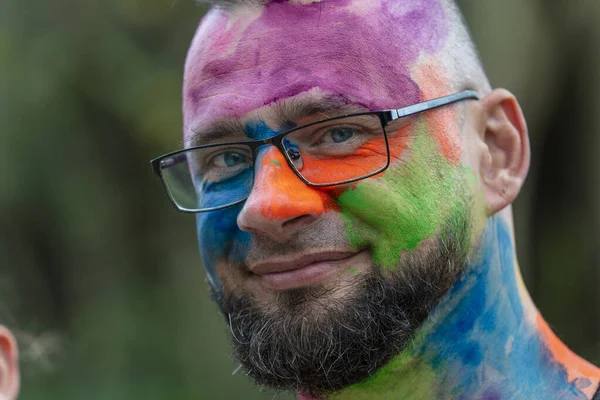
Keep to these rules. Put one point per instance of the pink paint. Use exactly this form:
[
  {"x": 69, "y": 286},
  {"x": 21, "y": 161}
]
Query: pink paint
[{"x": 236, "y": 66}]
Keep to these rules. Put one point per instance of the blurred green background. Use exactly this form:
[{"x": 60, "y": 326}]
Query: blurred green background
[{"x": 101, "y": 276}]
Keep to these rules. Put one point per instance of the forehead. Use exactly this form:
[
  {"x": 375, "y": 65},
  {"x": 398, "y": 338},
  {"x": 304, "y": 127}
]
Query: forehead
[{"x": 363, "y": 51}]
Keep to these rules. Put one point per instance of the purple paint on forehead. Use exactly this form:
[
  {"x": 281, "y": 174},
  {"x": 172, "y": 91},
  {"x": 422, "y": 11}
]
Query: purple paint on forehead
[{"x": 364, "y": 55}]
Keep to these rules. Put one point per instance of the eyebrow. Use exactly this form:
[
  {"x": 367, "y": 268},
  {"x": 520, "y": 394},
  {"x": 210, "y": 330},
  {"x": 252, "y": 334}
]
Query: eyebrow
[
  {"x": 293, "y": 110},
  {"x": 218, "y": 131},
  {"x": 289, "y": 110}
]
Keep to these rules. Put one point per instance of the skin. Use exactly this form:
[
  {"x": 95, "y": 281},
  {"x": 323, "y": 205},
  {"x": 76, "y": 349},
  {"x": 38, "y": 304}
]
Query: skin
[
  {"x": 485, "y": 339},
  {"x": 9, "y": 368}
]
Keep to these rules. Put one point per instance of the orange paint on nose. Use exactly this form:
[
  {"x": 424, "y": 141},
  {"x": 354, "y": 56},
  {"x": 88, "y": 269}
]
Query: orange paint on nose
[
  {"x": 282, "y": 195},
  {"x": 575, "y": 366}
]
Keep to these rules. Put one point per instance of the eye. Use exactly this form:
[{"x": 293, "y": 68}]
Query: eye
[
  {"x": 341, "y": 134},
  {"x": 229, "y": 159}
]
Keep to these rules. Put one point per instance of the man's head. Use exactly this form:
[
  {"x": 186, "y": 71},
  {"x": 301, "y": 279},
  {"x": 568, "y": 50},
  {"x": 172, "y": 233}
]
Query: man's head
[
  {"x": 9, "y": 368},
  {"x": 323, "y": 285}
]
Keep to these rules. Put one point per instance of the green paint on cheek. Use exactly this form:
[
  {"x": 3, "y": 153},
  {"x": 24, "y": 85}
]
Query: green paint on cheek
[
  {"x": 408, "y": 204},
  {"x": 275, "y": 163},
  {"x": 353, "y": 271}
]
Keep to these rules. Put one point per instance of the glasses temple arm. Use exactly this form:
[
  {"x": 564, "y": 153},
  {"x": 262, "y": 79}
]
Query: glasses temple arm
[{"x": 434, "y": 103}]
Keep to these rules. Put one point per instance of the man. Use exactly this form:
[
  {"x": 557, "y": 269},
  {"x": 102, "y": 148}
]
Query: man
[
  {"x": 358, "y": 253},
  {"x": 9, "y": 367}
]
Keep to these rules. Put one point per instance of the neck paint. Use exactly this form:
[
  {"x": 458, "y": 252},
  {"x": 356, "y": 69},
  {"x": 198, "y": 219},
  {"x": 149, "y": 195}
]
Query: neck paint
[{"x": 484, "y": 340}]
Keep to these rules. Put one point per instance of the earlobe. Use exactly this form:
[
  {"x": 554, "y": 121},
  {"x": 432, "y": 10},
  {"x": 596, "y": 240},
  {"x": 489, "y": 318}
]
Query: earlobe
[
  {"x": 9, "y": 368},
  {"x": 504, "y": 163}
]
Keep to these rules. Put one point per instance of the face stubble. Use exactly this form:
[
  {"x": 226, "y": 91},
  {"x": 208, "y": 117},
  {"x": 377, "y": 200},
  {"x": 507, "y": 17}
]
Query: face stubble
[
  {"x": 318, "y": 342},
  {"x": 313, "y": 339}
]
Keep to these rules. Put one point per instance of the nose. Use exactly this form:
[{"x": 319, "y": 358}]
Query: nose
[{"x": 280, "y": 203}]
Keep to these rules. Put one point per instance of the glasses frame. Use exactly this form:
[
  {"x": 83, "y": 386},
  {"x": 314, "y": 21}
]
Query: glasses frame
[{"x": 385, "y": 117}]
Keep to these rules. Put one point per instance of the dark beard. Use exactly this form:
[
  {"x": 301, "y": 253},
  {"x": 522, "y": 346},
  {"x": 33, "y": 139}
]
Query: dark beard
[{"x": 318, "y": 344}]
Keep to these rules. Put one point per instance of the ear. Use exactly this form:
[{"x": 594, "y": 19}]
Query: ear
[
  {"x": 506, "y": 155},
  {"x": 9, "y": 365}
]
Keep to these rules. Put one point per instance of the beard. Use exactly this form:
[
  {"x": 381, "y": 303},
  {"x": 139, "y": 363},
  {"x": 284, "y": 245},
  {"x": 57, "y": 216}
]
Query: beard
[{"x": 318, "y": 343}]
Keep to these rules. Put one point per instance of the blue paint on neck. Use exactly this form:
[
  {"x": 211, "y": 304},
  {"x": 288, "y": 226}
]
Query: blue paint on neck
[{"x": 478, "y": 340}]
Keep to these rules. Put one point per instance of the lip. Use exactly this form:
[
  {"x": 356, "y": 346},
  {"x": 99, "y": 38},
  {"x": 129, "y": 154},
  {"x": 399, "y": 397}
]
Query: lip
[{"x": 287, "y": 274}]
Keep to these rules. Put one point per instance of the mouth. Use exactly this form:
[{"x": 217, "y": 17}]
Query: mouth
[{"x": 287, "y": 274}]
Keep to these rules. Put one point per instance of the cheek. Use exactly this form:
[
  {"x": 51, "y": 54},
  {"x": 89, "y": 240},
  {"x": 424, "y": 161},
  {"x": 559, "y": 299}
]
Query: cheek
[
  {"x": 370, "y": 157},
  {"x": 434, "y": 81},
  {"x": 447, "y": 133},
  {"x": 220, "y": 239},
  {"x": 408, "y": 204}
]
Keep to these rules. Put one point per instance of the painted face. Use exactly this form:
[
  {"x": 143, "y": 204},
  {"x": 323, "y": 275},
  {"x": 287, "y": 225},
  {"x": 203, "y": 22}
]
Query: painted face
[{"x": 254, "y": 73}]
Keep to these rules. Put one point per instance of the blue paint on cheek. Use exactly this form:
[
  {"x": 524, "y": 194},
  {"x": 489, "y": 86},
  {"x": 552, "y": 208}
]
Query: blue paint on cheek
[
  {"x": 221, "y": 240},
  {"x": 236, "y": 188},
  {"x": 219, "y": 237}
]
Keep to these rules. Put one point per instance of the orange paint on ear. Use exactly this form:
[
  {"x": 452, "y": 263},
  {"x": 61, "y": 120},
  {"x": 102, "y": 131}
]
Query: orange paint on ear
[
  {"x": 575, "y": 366},
  {"x": 443, "y": 122},
  {"x": 282, "y": 194}
]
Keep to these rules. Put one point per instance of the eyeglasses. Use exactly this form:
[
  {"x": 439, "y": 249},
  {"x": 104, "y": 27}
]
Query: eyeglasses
[{"x": 330, "y": 152}]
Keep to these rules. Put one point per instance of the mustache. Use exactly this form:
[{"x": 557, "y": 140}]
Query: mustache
[{"x": 327, "y": 233}]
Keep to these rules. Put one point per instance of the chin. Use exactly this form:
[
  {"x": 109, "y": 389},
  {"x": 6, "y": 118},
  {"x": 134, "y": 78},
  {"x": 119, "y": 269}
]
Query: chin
[{"x": 327, "y": 336}]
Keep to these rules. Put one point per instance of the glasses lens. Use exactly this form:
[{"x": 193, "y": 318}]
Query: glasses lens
[
  {"x": 338, "y": 150},
  {"x": 207, "y": 178}
]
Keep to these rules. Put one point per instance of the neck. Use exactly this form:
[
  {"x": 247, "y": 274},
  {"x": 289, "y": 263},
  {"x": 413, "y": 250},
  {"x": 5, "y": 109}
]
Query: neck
[{"x": 485, "y": 340}]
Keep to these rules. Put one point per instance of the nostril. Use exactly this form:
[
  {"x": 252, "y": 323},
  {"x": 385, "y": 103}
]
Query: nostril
[{"x": 299, "y": 220}]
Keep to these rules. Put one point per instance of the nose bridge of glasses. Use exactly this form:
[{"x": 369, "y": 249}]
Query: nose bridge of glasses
[
  {"x": 265, "y": 146},
  {"x": 269, "y": 156}
]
